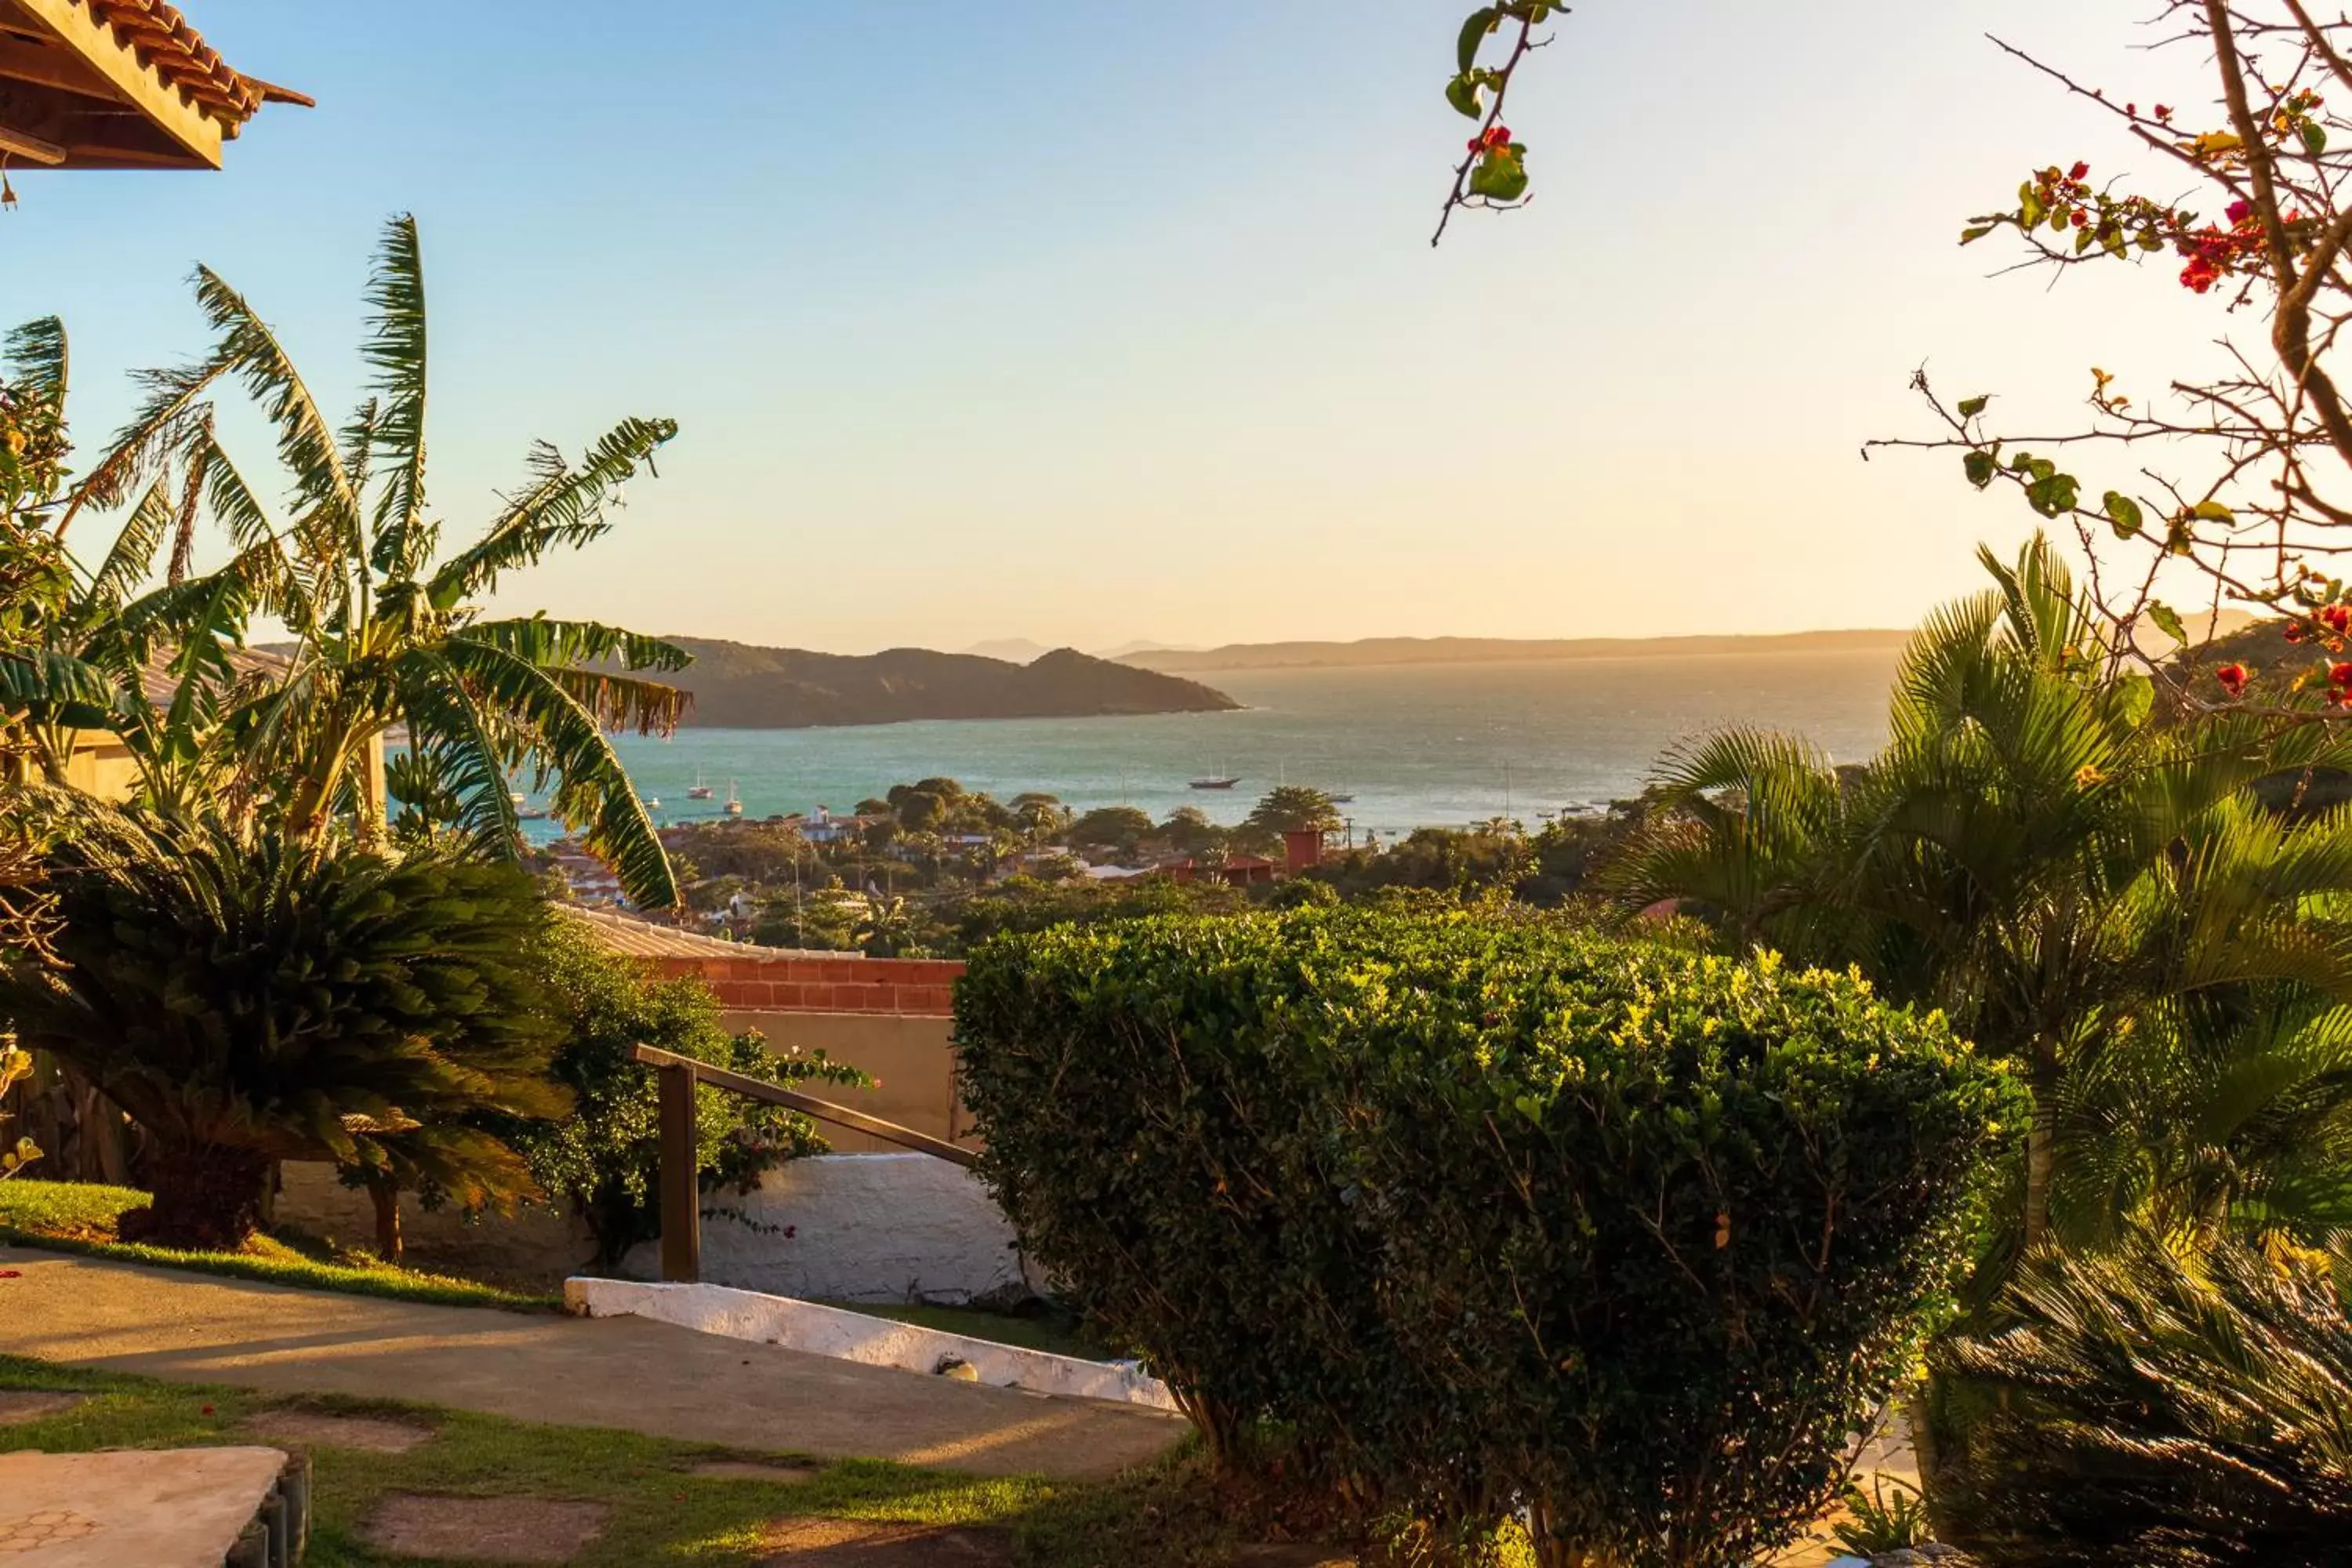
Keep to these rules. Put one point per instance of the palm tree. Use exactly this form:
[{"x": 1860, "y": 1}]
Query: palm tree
[
  {"x": 388, "y": 632},
  {"x": 2034, "y": 851}
]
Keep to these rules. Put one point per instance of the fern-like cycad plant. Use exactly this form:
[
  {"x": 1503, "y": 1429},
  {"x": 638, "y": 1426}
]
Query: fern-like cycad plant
[
  {"x": 2161, "y": 1412},
  {"x": 248, "y": 999},
  {"x": 389, "y": 632}
]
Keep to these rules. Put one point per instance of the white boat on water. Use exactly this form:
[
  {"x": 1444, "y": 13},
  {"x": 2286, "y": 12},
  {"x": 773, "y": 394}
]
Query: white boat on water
[
  {"x": 734, "y": 806},
  {"x": 699, "y": 791}
]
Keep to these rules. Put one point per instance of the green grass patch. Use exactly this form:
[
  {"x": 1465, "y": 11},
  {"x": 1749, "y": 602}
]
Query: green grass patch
[
  {"x": 1055, "y": 1336},
  {"x": 660, "y": 1513},
  {"x": 80, "y": 1217}
]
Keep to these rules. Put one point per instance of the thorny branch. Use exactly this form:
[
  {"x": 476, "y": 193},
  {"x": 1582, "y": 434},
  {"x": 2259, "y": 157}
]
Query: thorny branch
[{"x": 2245, "y": 478}]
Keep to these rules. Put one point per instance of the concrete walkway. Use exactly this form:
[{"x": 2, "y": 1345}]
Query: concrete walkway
[{"x": 627, "y": 1373}]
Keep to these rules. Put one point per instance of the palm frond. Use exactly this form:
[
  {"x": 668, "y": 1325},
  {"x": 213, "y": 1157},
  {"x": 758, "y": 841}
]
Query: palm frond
[
  {"x": 563, "y": 734},
  {"x": 544, "y": 641},
  {"x": 52, "y": 688},
  {"x": 395, "y": 350},
  {"x": 36, "y": 358},
  {"x": 306, "y": 441},
  {"x": 173, "y": 405},
  {"x": 562, "y": 505},
  {"x": 131, "y": 557}
]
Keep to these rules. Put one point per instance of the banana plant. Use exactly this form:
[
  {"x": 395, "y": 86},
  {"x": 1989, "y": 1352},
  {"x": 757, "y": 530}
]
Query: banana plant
[{"x": 389, "y": 632}]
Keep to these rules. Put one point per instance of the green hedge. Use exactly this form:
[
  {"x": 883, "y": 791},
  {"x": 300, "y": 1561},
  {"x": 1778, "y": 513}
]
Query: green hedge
[{"x": 1490, "y": 1217}]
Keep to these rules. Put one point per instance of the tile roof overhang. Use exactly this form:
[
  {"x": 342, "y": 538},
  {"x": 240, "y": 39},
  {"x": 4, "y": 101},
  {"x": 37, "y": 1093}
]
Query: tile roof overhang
[{"x": 118, "y": 84}]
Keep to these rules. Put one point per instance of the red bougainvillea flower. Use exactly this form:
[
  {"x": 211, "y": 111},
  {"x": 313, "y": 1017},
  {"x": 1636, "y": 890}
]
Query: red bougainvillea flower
[
  {"x": 2239, "y": 212},
  {"x": 2200, "y": 275},
  {"x": 2336, "y": 618},
  {"x": 2340, "y": 674},
  {"x": 2233, "y": 678},
  {"x": 2078, "y": 171},
  {"x": 1493, "y": 136},
  {"x": 2295, "y": 632}
]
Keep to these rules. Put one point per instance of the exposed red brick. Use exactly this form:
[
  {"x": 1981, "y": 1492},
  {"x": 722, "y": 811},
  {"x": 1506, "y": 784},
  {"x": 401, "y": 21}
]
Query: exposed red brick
[{"x": 926, "y": 1001}]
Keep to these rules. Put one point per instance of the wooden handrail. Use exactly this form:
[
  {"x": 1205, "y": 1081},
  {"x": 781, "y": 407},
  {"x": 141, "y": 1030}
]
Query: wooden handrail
[
  {"x": 809, "y": 1105},
  {"x": 681, "y": 1189}
]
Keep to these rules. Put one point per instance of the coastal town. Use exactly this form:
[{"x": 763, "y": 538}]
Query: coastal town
[{"x": 1819, "y": 1038}]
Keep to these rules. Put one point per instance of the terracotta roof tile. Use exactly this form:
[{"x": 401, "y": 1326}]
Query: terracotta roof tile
[
  {"x": 173, "y": 48},
  {"x": 643, "y": 938}
]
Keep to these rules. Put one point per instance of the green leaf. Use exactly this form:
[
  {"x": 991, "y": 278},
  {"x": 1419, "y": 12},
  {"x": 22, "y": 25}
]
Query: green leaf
[
  {"x": 2314, "y": 137},
  {"x": 1975, "y": 232},
  {"x": 2213, "y": 512},
  {"x": 2053, "y": 494},
  {"x": 2136, "y": 697},
  {"x": 1500, "y": 176},
  {"x": 2113, "y": 238},
  {"x": 1971, "y": 408},
  {"x": 2167, "y": 620},
  {"x": 1481, "y": 22},
  {"x": 2150, "y": 240},
  {"x": 1981, "y": 468},
  {"x": 2122, "y": 514},
  {"x": 2031, "y": 212},
  {"x": 1462, "y": 92}
]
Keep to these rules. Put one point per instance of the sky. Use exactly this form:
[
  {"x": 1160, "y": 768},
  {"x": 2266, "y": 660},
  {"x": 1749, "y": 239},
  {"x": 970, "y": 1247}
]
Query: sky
[{"x": 1088, "y": 323}]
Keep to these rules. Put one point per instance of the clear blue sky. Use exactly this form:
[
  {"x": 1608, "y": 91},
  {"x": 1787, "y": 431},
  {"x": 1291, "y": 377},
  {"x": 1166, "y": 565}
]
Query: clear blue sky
[{"x": 1086, "y": 323}]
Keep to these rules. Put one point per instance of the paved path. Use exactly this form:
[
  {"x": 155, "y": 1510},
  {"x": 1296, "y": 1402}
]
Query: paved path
[{"x": 608, "y": 1372}]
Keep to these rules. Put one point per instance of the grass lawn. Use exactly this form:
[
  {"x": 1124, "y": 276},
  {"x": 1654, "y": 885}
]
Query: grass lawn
[
  {"x": 660, "y": 1513},
  {"x": 79, "y": 1216}
]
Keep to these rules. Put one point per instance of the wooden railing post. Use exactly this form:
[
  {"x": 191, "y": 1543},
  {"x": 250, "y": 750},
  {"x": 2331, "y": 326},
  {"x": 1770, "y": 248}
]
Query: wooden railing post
[{"x": 681, "y": 1186}]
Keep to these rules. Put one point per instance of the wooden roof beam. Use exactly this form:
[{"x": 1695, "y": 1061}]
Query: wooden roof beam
[
  {"x": 31, "y": 148},
  {"x": 47, "y": 65},
  {"x": 175, "y": 113}
]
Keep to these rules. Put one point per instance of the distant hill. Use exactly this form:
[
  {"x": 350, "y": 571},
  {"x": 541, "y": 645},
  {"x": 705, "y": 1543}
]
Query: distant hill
[
  {"x": 1012, "y": 651},
  {"x": 738, "y": 687},
  {"x": 1493, "y": 650},
  {"x": 1145, "y": 644}
]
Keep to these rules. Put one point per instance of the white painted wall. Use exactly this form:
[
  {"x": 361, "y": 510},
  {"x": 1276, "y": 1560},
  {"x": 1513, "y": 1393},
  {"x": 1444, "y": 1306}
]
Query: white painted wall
[
  {"x": 860, "y": 1227},
  {"x": 853, "y": 1336}
]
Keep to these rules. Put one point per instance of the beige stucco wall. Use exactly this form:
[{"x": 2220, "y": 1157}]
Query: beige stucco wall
[
  {"x": 533, "y": 1245},
  {"x": 910, "y": 1055}
]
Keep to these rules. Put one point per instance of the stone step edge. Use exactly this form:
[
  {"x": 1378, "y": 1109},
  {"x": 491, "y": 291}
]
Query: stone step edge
[{"x": 846, "y": 1335}]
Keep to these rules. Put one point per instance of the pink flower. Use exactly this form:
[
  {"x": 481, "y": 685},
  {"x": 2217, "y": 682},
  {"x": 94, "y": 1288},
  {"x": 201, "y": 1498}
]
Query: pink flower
[{"x": 2240, "y": 211}]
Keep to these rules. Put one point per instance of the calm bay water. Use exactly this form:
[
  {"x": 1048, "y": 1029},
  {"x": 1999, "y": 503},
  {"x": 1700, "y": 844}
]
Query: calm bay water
[{"x": 1421, "y": 745}]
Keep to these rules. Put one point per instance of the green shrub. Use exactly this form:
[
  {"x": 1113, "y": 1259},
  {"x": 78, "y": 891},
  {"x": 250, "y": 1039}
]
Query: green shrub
[
  {"x": 604, "y": 1160},
  {"x": 1490, "y": 1215},
  {"x": 246, "y": 1000},
  {"x": 2140, "y": 1409}
]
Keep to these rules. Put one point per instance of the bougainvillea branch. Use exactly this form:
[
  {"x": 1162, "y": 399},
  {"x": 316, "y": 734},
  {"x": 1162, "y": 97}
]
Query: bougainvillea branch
[
  {"x": 1495, "y": 173},
  {"x": 2240, "y": 477}
]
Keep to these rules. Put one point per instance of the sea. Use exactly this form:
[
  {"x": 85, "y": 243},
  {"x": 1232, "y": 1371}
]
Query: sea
[{"x": 1441, "y": 745}]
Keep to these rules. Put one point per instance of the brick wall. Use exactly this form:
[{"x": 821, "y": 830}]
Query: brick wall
[{"x": 899, "y": 988}]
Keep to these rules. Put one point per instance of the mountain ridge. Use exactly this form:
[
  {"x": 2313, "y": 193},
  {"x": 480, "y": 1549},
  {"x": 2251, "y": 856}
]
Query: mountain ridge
[
  {"x": 745, "y": 686},
  {"x": 1375, "y": 651}
]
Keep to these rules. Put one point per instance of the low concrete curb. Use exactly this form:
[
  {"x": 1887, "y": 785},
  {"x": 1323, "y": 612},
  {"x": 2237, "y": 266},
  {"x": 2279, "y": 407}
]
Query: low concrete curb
[{"x": 853, "y": 1336}]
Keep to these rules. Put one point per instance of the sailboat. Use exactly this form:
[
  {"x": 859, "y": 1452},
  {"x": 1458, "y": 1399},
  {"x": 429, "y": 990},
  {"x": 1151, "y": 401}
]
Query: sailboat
[
  {"x": 1211, "y": 781},
  {"x": 699, "y": 791},
  {"x": 734, "y": 806}
]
